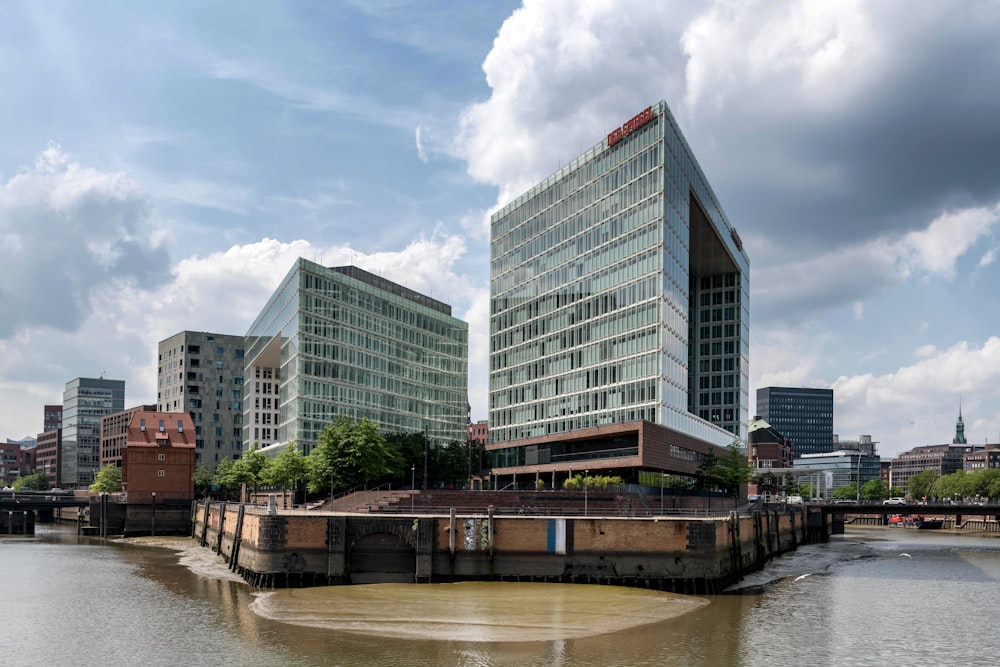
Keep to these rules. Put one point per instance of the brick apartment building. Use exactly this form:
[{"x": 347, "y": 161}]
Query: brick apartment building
[
  {"x": 48, "y": 456},
  {"x": 158, "y": 456}
]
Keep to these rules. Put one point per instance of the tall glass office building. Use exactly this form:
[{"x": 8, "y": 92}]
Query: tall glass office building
[
  {"x": 341, "y": 341},
  {"x": 619, "y": 293}
]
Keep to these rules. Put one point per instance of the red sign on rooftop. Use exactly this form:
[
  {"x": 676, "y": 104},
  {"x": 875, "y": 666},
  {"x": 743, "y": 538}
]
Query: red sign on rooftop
[{"x": 630, "y": 126}]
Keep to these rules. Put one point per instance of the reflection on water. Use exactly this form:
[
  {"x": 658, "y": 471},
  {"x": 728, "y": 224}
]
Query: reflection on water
[
  {"x": 77, "y": 600},
  {"x": 474, "y": 612}
]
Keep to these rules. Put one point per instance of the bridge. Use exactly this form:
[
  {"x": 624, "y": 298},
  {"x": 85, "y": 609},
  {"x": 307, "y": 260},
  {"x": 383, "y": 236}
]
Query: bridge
[
  {"x": 931, "y": 510},
  {"x": 24, "y": 501}
]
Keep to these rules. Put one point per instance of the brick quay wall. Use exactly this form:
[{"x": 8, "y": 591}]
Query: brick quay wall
[{"x": 686, "y": 555}]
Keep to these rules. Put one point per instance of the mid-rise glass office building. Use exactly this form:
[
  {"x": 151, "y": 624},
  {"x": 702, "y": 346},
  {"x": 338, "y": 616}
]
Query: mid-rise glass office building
[
  {"x": 341, "y": 341},
  {"x": 85, "y": 401},
  {"x": 619, "y": 293},
  {"x": 803, "y": 414}
]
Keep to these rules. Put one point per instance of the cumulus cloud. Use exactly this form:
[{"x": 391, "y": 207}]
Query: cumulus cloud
[
  {"x": 558, "y": 71},
  {"x": 222, "y": 292},
  {"x": 850, "y": 274},
  {"x": 66, "y": 231},
  {"x": 937, "y": 248},
  {"x": 917, "y": 404},
  {"x": 823, "y": 49}
]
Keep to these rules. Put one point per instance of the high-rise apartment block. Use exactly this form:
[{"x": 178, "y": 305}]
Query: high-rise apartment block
[
  {"x": 337, "y": 341},
  {"x": 85, "y": 401},
  {"x": 619, "y": 295},
  {"x": 803, "y": 415},
  {"x": 202, "y": 374}
]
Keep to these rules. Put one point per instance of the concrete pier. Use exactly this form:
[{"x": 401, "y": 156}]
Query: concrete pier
[{"x": 685, "y": 555}]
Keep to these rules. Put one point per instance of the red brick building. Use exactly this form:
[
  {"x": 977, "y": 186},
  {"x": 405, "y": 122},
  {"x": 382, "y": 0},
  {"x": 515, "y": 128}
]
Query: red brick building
[
  {"x": 158, "y": 456},
  {"x": 48, "y": 455},
  {"x": 478, "y": 433},
  {"x": 10, "y": 460},
  {"x": 114, "y": 434}
]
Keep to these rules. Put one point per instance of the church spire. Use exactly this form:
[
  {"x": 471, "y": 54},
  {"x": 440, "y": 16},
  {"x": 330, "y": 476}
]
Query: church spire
[{"x": 959, "y": 438}]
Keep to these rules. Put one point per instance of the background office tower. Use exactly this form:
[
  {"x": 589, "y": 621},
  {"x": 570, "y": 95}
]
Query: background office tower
[
  {"x": 85, "y": 401},
  {"x": 201, "y": 373},
  {"x": 342, "y": 341},
  {"x": 52, "y": 417},
  {"x": 803, "y": 415},
  {"x": 619, "y": 292}
]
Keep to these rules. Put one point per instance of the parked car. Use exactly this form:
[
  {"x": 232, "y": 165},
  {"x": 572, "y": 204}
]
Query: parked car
[
  {"x": 794, "y": 500},
  {"x": 894, "y": 501}
]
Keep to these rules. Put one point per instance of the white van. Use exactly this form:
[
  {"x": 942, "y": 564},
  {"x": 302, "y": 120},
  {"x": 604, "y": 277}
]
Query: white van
[{"x": 794, "y": 500}]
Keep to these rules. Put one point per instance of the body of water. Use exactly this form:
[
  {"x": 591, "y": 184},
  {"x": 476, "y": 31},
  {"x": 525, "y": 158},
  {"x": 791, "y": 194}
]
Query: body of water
[{"x": 875, "y": 597}]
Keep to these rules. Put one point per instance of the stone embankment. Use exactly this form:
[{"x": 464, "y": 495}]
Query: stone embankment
[{"x": 697, "y": 554}]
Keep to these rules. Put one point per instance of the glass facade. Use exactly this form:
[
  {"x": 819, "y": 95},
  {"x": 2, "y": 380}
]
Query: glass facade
[
  {"x": 803, "y": 415},
  {"x": 85, "y": 401},
  {"x": 341, "y": 341},
  {"x": 620, "y": 292},
  {"x": 844, "y": 467}
]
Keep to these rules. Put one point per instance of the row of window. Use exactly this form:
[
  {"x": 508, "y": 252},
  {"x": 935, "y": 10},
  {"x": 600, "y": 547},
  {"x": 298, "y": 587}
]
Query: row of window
[
  {"x": 567, "y": 233},
  {"x": 590, "y": 182},
  {"x": 549, "y": 275},
  {"x": 632, "y": 394},
  {"x": 536, "y": 429}
]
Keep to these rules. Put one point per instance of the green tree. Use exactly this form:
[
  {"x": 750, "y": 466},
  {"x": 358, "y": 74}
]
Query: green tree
[
  {"x": 875, "y": 489},
  {"x": 203, "y": 478},
  {"x": 250, "y": 469},
  {"x": 956, "y": 485},
  {"x": 848, "y": 491},
  {"x": 767, "y": 482},
  {"x": 226, "y": 478},
  {"x": 983, "y": 481},
  {"x": 450, "y": 462},
  {"x": 36, "y": 481},
  {"x": 348, "y": 454},
  {"x": 919, "y": 485},
  {"x": 107, "y": 480},
  {"x": 288, "y": 468},
  {"x": 408, "y": 452},
  {"x": 728, "y": 472}
]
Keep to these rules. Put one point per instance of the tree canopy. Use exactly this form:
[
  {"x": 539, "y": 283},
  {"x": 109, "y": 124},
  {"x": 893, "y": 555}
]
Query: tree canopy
[
  {"x": 728, "y": 471},
  {"x": 348, "y": 454},
  {"x": 107, "y": 480},
  {"x": 36, "y": 481}
]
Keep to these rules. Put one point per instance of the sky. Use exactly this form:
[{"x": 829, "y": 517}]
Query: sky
[{"x": 162, "y": 165}]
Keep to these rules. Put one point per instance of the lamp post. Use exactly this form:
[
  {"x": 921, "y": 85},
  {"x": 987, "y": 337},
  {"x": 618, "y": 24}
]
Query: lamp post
[
  {"x": 153, "y": 529},
  {"x": 586, "y": 478},
  {"x": 427, "y": 457},
  {"x": 413, "y": 484},
  {"x": 858, "y": 499},
  {"x": 663, "y": 481},
  {"x": 331, "y": 484}
]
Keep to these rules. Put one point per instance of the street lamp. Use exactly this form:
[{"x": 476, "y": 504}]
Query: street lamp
[
  {"x": 331, "y": 484},
  {"x": 153, "y": 529},
  {"x": 586, "y": 477},
  {"x": 413, "y": 484},
  {"x": 858, "y": 499},
  {"x": 663, "y": 482},
  {"x": 427, "y": 457}
]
